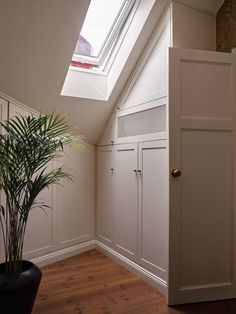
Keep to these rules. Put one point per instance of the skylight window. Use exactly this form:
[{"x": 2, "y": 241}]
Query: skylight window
[{"x": 100, "y": 32}]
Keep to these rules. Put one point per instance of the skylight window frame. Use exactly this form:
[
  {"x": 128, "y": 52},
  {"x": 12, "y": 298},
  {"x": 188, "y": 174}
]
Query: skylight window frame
[{"x": 111, "y": 38}]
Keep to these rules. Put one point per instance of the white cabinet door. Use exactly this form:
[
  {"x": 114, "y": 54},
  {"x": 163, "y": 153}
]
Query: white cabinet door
[
  {"x": 202, "y": 200},
  {"x": 106, "y": 203},
  {"x": 153, "y": 207},
  {"x": 40, "y": 230},
  {"x": 74, "y": 200},
  {"x": 127, "y": 200}
]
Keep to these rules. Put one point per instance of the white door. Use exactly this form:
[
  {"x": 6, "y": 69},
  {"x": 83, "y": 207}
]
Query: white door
[
  {"x": 40, "y": 230},
  {"x": 127, "y": 200},
  {"x": 202, "y": 197},
  {"x": 106, "y": 203},
  {"x": 154, "y": 208}
]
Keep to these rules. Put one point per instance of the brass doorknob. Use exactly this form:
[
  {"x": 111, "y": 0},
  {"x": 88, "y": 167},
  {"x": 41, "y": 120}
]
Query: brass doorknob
[{"x": 176, "y": 173}]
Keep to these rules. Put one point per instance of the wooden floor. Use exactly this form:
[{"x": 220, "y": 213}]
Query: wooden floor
[{"x": 91, "y": 283}]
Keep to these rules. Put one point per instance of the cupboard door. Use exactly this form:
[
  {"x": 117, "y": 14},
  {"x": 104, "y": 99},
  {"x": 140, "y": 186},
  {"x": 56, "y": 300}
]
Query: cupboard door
[
  {"x": 40, "y": 230},
  {"x": 74, "y": 200},
  {"x": 202, "y": 200},
  {"x": 105, "y": 194},
  {"x": 127, "y": 200},
  {"x": 153, "y": 207}
]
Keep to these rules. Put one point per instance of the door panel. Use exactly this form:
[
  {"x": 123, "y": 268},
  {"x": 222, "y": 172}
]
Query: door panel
[
  {"x": 127, "y": 200},
  {"x": 202, "y": 199},
  {"x": 105, "y": 194},
  {"x": 153, "y": 209},
  {"x": 40, "y": 231},
  {"x": 207, "y": 207}
]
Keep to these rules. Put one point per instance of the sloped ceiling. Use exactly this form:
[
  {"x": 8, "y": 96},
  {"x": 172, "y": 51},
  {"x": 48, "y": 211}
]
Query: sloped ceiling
[{"x": 37, "y": 39}]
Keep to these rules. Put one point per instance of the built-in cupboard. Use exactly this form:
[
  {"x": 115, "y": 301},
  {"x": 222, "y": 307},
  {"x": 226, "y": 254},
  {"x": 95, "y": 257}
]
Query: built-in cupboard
[
  {"x": 66, "y": 227},
  {"x": 133, "y": 204},
  {"x": 167, "y": 159}
]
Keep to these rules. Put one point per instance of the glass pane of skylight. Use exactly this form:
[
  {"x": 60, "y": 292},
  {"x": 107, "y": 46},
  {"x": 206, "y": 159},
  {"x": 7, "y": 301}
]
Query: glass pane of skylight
[{"x": 98, "y": 24}]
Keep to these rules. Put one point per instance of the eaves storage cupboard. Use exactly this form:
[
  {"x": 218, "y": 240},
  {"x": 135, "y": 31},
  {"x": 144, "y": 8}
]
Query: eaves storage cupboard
[{"x": 166, "y": 199}]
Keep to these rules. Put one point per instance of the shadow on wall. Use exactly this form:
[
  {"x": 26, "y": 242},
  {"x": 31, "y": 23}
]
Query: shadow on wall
[{"x": 226, "y": 26}]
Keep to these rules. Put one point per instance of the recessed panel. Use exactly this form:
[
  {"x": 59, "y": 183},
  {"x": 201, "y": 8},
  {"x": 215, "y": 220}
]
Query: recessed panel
[
  {"x": 154, "y": 209},
  {"x": 153, "y": 79},
  {"x": 105, "y": 195},
  {"x": 75, "y": 206},
  {"x": 126, "y": 216},
  {"x": 205, "y": 89},
  {"x": 143, "y": 122},
  {"x": 39, "y": 230},
  {"x": 206, "y": 207}
]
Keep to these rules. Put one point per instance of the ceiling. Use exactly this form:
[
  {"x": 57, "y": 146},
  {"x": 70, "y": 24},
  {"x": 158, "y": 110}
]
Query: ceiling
[
  {"x": 211, "y": 6},
  {"x": 37, "y": 42},
  {"x": 39, "y": 39}
]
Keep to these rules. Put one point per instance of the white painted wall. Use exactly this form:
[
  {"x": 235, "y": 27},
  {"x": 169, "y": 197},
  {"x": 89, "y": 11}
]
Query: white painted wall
[{"x": 192, "y": 28}]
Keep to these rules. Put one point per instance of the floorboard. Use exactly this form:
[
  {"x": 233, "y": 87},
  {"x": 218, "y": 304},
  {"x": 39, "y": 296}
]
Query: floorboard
[{"x": 91, "y": 283}]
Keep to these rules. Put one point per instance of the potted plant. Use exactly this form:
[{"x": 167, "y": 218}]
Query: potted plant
[{"x": 27, "y": 145}]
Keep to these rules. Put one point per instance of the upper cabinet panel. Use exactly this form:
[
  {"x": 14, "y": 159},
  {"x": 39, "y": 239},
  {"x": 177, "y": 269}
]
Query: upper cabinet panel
[
  {"x": 3, "y": 109},
  {"x": 19, "y": 110},
  {"x": 150, "y": 78}
]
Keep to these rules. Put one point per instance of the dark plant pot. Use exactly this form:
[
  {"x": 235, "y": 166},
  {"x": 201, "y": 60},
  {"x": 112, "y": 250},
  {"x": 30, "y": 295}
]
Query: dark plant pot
[{"x": 18, "y": 291}]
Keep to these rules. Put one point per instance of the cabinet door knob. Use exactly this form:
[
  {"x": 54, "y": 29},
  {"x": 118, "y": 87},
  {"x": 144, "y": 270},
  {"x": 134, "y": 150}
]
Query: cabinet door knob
[
  {"x": 176, "y": 173},
  {"x": 139, "y": 172},
  {"x": 135, "y": 170}
]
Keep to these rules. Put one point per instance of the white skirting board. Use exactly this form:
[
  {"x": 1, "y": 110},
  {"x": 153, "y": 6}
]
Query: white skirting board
[
  {"x": 155, "y": 281},
  {"x": 64, "y": 253}
]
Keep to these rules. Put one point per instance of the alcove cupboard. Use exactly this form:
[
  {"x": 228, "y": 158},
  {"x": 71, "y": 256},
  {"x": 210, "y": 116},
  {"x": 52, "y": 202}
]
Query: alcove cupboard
[
  {"x": 66, "y": 227},
  {"x": 166, "y": 169}
]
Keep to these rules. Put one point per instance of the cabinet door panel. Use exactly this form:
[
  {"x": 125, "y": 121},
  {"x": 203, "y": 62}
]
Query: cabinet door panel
[
  {"x": 40, "y": 234},
  {"x": 74, "y": 200},
  {"x": 153, "y": 209},
  {"x": 105, "y": 194},
  {"x": 126, "y": 215},
  {"x": 202, "y": 199}
]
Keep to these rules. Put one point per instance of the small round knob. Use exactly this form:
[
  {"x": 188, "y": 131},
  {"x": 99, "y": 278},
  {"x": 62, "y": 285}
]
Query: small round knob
[{"x": 176, "y": 173}]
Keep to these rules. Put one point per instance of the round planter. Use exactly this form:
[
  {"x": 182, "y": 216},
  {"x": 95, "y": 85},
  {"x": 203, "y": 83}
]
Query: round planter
[{"x": 18, "y": 291}]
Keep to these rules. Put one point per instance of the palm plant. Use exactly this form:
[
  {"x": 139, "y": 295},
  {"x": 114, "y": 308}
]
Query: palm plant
[{"x": 27, "y": 144}]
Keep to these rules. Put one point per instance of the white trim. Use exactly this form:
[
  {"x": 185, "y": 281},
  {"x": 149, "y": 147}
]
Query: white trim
[
  {"x": 18, "y": 103},
  {"x": 152, "y": 279},
  {"x": 148, "y": 103},
  {"x": 64, "y": 253}
]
